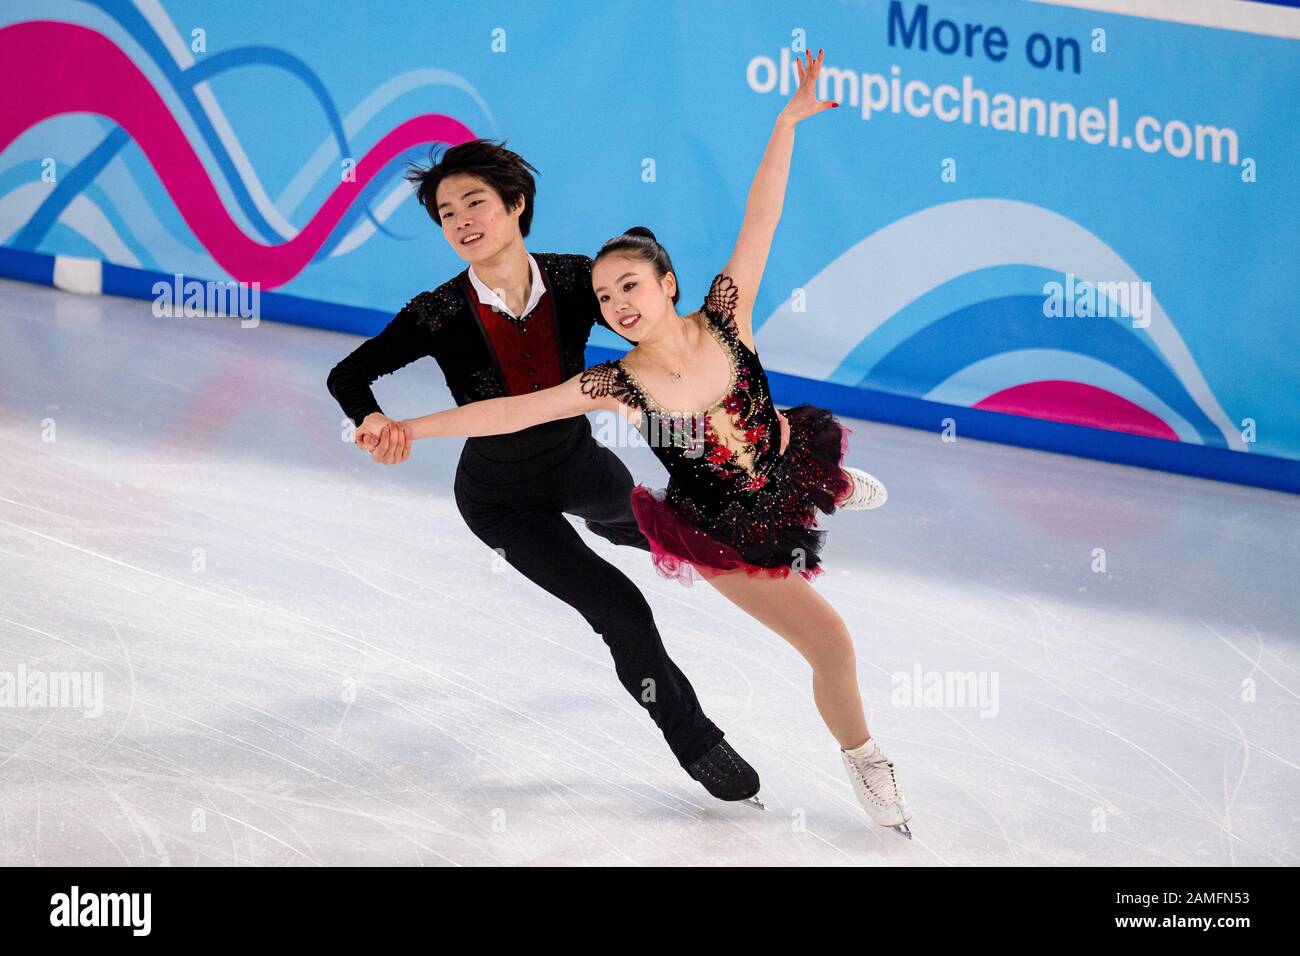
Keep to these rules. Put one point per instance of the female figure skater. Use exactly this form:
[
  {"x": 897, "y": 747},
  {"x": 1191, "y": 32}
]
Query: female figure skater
[{"x": 746, "y": 480}]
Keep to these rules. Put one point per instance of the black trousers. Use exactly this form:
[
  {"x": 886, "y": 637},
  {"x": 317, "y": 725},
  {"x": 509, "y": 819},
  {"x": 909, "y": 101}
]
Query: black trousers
[{"x": 513, "y": 492}]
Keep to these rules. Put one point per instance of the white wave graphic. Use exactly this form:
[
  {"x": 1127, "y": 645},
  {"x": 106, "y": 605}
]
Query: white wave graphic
[
  {"x": 862, "y": 288},
  {"x": 364, "y": 228},
  {"x": 324, "y": 161},
  {"x": 162, "y": 25},
  {"x": 82, "y": 216},
  {"x": 166, "y": 245},
  {"x": 98, "y": 20},
  {"x": 135, "y": 212}
]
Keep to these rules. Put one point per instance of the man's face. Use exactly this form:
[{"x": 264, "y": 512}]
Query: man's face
[{"x": 474, "y": 220}]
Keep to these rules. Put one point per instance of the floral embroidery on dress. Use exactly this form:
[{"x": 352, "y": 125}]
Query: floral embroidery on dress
[
  {"x": 736, "y": 499},
  {"x": 738, "y": 438}
]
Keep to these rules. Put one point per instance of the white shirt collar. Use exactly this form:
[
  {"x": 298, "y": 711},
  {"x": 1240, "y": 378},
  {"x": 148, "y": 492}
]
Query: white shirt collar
[{"x": 489, "y": 297}]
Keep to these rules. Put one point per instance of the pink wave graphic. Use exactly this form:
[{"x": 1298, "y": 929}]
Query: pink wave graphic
[
  {"x": 53, "y": 68},
  {"x": 1077, "y": 404}
]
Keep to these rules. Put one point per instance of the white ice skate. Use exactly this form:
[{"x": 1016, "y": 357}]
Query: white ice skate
[
  {"x": 872, "y": 776},
  {"x": 868, "y": 492}
]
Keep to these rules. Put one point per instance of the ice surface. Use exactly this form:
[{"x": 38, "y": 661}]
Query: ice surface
[{"x": 306, "y": 658}]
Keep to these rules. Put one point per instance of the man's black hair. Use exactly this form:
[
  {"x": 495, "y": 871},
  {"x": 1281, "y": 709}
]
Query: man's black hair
[{"x": 504, "y": 170}]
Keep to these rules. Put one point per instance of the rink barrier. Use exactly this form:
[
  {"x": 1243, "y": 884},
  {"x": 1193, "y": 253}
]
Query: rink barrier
[{"x": 1080, "y": 441}]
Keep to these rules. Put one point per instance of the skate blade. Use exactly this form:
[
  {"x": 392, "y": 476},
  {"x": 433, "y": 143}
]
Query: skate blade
[
  {"x": 877, "y": 502},
  {"x": 903, "y": 830},
  {"x": 754, "y": 802},
  {"x": 871, "y": 506}
]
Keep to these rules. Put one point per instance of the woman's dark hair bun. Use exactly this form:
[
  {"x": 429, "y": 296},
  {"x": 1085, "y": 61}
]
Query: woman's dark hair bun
[{"x": 639, "y": 242}]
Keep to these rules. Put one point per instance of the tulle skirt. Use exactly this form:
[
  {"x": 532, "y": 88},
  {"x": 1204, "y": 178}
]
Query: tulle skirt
[{"x": 780, "y": 536}]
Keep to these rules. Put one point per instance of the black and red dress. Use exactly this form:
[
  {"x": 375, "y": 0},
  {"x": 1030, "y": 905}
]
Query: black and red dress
[{"x": 735, "y": 500}]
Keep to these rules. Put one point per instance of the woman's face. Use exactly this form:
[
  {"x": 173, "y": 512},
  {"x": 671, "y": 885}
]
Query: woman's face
[
  {"x": 467, "y": 208},
  {"x": 633, "y": 300}
]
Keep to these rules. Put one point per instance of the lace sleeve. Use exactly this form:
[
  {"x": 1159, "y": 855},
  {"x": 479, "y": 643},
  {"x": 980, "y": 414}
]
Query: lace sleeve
[
  {"x": 607, "y": 379},
  {"x": 720, "y": 303}
]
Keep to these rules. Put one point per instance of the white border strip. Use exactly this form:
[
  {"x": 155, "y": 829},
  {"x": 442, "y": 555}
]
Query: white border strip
[{"x": 1245, "y": 16}]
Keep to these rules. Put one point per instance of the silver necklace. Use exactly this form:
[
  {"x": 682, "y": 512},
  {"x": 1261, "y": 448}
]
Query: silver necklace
[{"x": 673, "y": 373}]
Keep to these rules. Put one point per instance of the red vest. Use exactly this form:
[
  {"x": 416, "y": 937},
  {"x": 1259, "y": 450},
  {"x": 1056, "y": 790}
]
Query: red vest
[{"x": 528, "y": 351}]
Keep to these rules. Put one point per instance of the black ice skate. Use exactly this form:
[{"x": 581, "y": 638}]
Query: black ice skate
[{"x": 724, "y": 773}]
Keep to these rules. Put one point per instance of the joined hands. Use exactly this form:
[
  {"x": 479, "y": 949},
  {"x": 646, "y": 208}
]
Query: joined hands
[{"x": 387, "y": 441}]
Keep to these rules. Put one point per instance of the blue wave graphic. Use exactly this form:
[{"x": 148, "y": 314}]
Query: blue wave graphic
[
  {"x": 1008, "y": 323},
  {"x": 182, "y": 83}
]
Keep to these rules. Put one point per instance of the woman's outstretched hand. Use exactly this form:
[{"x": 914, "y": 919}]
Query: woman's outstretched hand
[{"x": 804, "y": 102}]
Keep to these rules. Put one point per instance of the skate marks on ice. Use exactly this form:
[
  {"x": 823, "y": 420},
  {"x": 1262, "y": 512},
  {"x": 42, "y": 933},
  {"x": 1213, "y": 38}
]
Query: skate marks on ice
[{"x": 306, "y": 659}]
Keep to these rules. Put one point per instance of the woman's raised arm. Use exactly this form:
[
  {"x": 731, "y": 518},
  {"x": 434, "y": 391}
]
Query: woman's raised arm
[
  {"x": 767, "y": 193},
  {"x": 500, "y": 416}
]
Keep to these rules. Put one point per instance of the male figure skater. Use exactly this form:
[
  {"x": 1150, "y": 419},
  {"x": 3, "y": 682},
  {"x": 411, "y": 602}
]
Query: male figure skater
[{"x": 513, "y": 322}]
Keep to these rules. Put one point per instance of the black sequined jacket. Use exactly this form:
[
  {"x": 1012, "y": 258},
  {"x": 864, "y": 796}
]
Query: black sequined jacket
[{"x": 444, "y": 323}]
